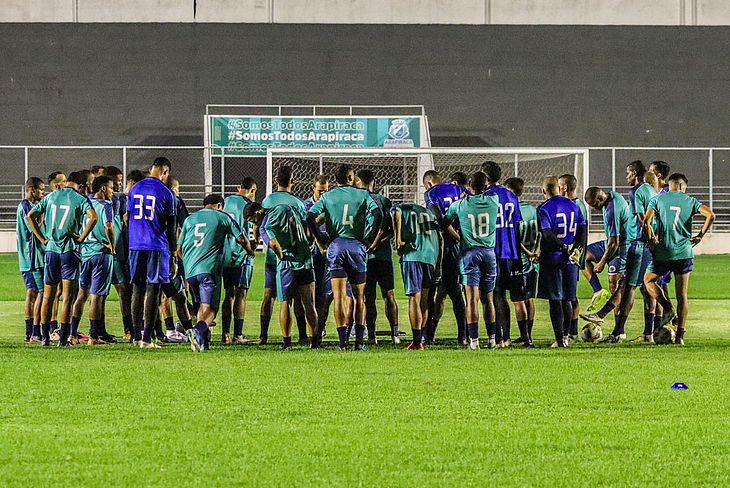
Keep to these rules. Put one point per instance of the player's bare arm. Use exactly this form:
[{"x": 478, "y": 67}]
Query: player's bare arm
[
  {"x": 709, "y": 216},
  {"x": 32, "y": 219},
  {"x": 92, "y": 218}
]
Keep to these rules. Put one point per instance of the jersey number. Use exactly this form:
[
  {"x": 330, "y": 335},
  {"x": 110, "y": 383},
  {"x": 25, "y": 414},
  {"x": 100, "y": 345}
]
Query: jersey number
[
  {"x": 347, "y": 219},
  {"x": 479, "y": 225},
  {"x": 54, "y": 213},
  {"x": 564, "y": 225},
  {"x": 424, "y": 224},
  {"x": 198, "y": 232},
  {"x": 508, "y": 209},
  {"x": 676, "y": 216},
  {"x": 144, "y": 211}
]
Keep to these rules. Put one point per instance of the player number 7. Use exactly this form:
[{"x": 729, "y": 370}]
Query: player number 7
[{"x": 678, "y": 211}]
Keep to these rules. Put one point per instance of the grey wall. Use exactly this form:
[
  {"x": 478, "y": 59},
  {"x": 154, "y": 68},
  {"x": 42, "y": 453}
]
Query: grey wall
[{"x": 507, "y": 85}]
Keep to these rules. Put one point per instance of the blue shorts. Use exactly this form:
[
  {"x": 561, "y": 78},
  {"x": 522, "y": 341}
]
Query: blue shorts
[
  {"x": 238, "y": 277},
  {"x": 120, "y": 273},
  {"x": 557, "y": 281},
  {"x": 206, "y": 289},
  {"x": 96, "y": 274},
  {"x": 617, "y": 264},
  {"x": 509, "y": 278},
  {"x": 379, "y": 273},
  {"x": 59, "y": 267},
  {"x": 348, "y": 258},
  {"x": 270, "y": 276},
  {"x": 637, "y": 261},
  {"x": 149, "y": 267},
  {"x": 479, "y": 268},
  {"x": 417, "y": 276},
  {"x": 288, "y": 280},
  {"x": 33, "y": 280},
  {"x": 678, "y": 267}
]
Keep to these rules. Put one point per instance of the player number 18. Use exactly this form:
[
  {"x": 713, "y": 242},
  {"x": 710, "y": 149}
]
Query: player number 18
[{"x": 479, "y": 225}]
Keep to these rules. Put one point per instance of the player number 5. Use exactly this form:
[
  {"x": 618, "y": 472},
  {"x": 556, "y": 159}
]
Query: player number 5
[{"x": 197, "y": 232}]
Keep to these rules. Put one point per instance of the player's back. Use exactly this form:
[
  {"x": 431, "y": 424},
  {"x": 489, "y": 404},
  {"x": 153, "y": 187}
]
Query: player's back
[
  {"x": 639, "y": 197},
  {"x": 477, "y": 216},
  {"x": 674, "y": 211},
  {"x": 150, "y": 205},
  {"x": 285, "y": 198},
  {"x": 384, "y": 251},
  {"x": 529, "y": 230},
  {"x": 233, "y": 253},
  {"x": 419, "y": 232},
  {"x": 121, "y": 237},
  {"x": 439, "y": 197},
  {"x": 508, "y": 219},
  {"x": 348, "y": 212},
  {"x": 64, "y": 210},
  {"x": 30, "y": 250},
  {"x": 617, "y": 218},
  {"x": 97, "y": 242},
  {"x": 283, "y": 224},
  {"x": 564, "y": 218},
  {"x": 202, "y": 240}
]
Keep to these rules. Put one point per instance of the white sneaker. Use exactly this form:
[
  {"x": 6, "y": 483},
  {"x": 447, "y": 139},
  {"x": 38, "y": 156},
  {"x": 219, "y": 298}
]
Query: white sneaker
[
  {"x": 148, "y": 345},
  {"x": 176, "y": 337},
  {"x": 474, "y": 344}
]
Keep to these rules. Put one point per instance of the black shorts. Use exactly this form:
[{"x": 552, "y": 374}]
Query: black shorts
[
  {"x": 450, "y": 270},
  {"x": 529, "y": 287},
  {"x": 509, "y": 278},
  {"x": 379, "y": 273}
]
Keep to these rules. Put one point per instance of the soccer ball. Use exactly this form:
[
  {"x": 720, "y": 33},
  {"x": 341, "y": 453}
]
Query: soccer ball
[
  {"x": 591, "y": 333},
  {"x": 664, "y": 335}
]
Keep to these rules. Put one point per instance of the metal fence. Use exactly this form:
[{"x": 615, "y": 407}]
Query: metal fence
[{"x": 708, "y": 171}]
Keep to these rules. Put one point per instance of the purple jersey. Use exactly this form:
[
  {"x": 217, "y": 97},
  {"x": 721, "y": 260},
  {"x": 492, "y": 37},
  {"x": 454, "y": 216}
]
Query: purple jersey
[
  {"x": 150, "y": 205},
  {"x": 509, "y": 217},
  {"x": 439, "y": 197},
  {"x": 564, "y": 218}
]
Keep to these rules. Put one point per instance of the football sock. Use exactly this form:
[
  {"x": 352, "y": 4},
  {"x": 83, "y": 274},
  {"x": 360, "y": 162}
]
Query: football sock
[
  {"x": 147, "y": 331},
  {"x": 416, "y": 336},
  {"x": 37, "y": 330},
  {"x": 359, "y": 333},
  {"x": 301, "y": 325},
  {"x": 237, "y": 327},
  {"x": 187, "y": 324},
  {"x": 127, "y": 321},
  {"x": 595, "y": 283},
  {"x": 473, "y": 330},
  {"x": 202, "y": 328},
  {"x": 607, "y": 309},
  {"x": 648, "y": 324},
  {"x": 342, "y": 335},
  {"x": 54, "y": 325},
  {"x": 63, "y": 335},
  {"x": 506, "y": 331},
  {"x": 556, "y": 318},
  {"x": 530, "y": 323},
  {"x": 657, "y": 322},
  {"x": 93, "y": 329},
  {"x": 287, "y": 341},
  {"x": 394, "y": 330},
  {"x": 680, "y": 333},
  {"x": 159, "y": 333},
  {"x": 491, "y": 330},
  {"x": 574, "y": 327},
  {"x": 371, "y": 332},
  {"x": 138, "y": 332},
  {"x": 620, "y": 325},
  {"x": 169, "y": 323},
  {"x": 522, "y": 326},
  {"x": 226, "y": 325},
  {"x": 498, "y": 333},
  {"x": 28, "y": 328},
  {"x": 265, "y": 319},
  {"x": 567, "y": 317},
  {"x": 46, "y": 331},
  {"x": 349, "y": 329},
  {"x": 75, "y": 325}
]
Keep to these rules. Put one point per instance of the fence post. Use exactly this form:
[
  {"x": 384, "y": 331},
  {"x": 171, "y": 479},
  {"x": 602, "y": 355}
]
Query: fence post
[
  {"x": 321, "y": 165},
  {"x": 517, "y": 163},
  {"x": 710, "y": 163},
  {"x": 26, "y": 164},
  {"x": 613, "y": 169},
  {"x": 223, "y": 174},
  {"x": 124, "y": 164}
]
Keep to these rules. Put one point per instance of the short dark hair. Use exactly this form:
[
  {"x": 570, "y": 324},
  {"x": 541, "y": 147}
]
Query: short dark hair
[
  {"x": 459, "y": 177},
  {"x": 479, "y": 181},
  {"x": 431, "y": 174},
  {"x": 136, "y": 176},
  {"x": 678, "y": 177},
  {"x": 100, "y": 181},
  {"x": 515, "y": 184},
  {"x": 112, "y": 171},
  {"x": 171, "y": 181},
  {"x": 77, "y": 177},
  {"x": 86, "y": 173},
  {"x": 342, "y": 172},
  {"x": 98, "y": 167},
  {"x": 638, "y": 167},
  {"x": 284, "y": 176},
  {"x": 33, "y": 182},
  {"x": 492, "y": 170},
  {"x": 321, "y": 179},
  {"x": 571, "y": 182},
  {"x": 162, "y": 162},
  {"x": 213, "y": 199},
  {"x": 662, "y": 168},
  {"x": 53, "y": 176},
  {"x": 592, "y": 192},
  {"x": 247, "y": 183},
  {"x": 366, "y": 176},
  {"x": 251, "y": 209}
]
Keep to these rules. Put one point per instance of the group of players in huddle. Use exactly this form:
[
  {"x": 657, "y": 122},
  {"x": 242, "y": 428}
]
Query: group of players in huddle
[{"x": 472, "y": 241}]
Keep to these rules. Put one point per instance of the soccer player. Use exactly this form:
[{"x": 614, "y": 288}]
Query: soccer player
[
  {"x": 562, "y": 229},
  {"x": 97, "y": 171},
  {"x": 282, "y": 196},
  {"x": 322, "y": 288},
  {"x": 619, "y": 232},
  {"x": 63, "y": 213},
  {"x": 567, "y": 187},
  {"x": 151, "y": 209},
  {"x": 353, "y": 219},
  {"x": 658, "y": 173},
  {"x": 97, "y": 264},
  {"x": 30, "y": 259},
  {"x": 672, "y": 243},
  {"x": 283, "y": 232},
  {"x": 418, "y": 242},
  {"x": 89, "y": 181},
  {"x": 477, "y": 219},
  {"x": 202, "y": 240},
  {"x": 56, "y": 181},
  {"x": 459, "y": 178},
  {"x": 380, "y": 263},
  {"x": 439, "y": 196},
  {"x": 529, "y": 230},
  {"x": 237, "y": 265},
  {"x": 508, "y": 253}
]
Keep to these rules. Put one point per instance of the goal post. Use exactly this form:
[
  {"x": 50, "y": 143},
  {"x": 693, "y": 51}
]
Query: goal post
[{"x": 399, "y": 172}]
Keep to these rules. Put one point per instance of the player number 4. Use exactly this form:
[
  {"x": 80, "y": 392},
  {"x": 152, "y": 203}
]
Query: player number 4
[{"x": 347, "y": 219}]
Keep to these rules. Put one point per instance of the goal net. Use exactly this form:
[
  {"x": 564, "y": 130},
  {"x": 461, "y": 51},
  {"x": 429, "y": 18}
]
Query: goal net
[{"x": 399, "y": 172}]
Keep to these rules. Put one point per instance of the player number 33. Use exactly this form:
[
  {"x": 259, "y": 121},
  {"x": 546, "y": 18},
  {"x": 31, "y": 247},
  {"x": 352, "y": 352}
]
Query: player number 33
[{"x": 142, "y": 211}]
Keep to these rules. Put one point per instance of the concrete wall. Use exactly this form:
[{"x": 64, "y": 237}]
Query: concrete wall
[{"x": 598, "y": 12}]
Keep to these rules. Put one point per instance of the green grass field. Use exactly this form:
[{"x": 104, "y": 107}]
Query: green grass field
[{"x": 592, "y": 415}]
